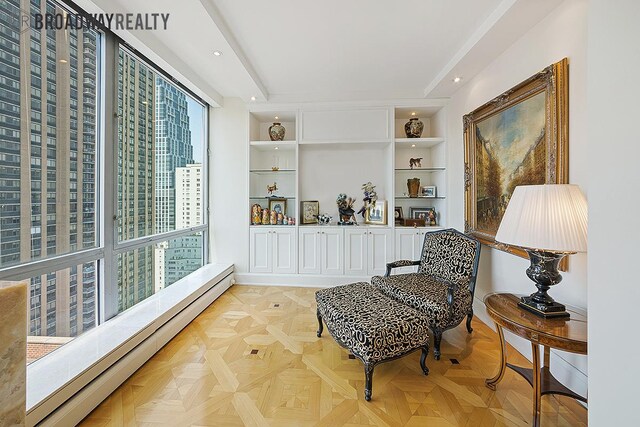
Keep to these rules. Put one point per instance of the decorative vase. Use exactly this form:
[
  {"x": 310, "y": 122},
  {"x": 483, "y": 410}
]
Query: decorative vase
[
  {"x": 276, "y": 132},
  {"x": 413, "y": 128},
  {"x": 413, "y": 184}
]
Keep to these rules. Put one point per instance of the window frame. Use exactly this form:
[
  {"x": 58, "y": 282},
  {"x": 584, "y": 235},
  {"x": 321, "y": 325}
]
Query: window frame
[{"x": 107, "y": 247}]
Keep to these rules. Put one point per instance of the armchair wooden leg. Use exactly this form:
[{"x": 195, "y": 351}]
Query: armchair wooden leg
[
  {"x": 368, "y": 374},
  {"x": 423, "y": 358},
  {"x": 469, "y": 317},
  {"x": 319, "y": 333},
  {"x": 437, "y": 337}
]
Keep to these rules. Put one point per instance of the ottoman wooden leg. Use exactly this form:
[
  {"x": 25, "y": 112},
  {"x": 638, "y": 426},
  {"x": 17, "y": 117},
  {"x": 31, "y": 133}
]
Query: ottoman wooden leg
[
  {"x": 368, "y": 374},
  {"x": 423, "y": 357},
  {"x": 319, "y": 333}
]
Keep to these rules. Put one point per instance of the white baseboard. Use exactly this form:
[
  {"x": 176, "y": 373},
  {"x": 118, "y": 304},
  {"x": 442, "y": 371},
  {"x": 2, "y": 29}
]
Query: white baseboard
[
  {"x": 562, "y": 369},
  {"x": 89, "y": 397},
  {"x": 297, "y": 280}
]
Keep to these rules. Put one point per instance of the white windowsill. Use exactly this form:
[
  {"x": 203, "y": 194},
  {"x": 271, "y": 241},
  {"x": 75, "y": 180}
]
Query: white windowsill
[{"x": 94, "y": 351}]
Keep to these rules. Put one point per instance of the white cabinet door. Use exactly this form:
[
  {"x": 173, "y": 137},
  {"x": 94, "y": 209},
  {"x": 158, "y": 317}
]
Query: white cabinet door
[
  {"x": 310, "y": 247},
  {"x": 408, "y": 245},
  {"x": 355, "y": 252},
  {"x": 284, "y": 250},
  {"x": 261, "y": 247},
  {"x": 332, "y": 251},
  {"x": 379, "y": 250}
]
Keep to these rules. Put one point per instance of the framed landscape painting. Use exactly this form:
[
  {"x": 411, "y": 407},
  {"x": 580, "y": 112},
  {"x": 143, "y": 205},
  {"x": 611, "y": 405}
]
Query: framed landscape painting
[{"x": 517, "y": 138}]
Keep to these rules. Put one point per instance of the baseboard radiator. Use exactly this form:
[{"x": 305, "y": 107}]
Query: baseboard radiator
[{"x": 88, "y": 398}]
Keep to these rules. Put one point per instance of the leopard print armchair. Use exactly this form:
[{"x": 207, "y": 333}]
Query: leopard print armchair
[{"x": 444, "y": 285}]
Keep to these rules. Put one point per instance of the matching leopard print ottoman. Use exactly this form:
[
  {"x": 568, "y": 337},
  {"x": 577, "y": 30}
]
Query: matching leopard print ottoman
[{"x": 372, "y": 326}]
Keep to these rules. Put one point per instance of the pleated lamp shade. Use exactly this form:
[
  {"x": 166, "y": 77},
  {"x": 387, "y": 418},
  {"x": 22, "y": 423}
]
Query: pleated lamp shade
[{"x": 550, "y": 217}]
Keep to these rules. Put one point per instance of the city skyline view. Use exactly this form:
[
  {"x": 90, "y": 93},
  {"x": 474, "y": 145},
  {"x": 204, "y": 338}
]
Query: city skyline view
[{"x": 49, "y": 170}]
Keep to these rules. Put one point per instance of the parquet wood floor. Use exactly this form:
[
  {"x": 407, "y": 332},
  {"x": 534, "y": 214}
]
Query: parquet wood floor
[{"x": 253, "y": 359}]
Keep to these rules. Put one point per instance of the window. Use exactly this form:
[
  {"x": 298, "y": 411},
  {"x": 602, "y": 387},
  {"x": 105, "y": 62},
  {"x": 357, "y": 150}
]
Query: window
[
  {"x": 161, "y": 139},
  {"x": 53, "y": 195}
]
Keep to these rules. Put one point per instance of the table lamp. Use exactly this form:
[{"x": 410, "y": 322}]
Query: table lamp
[{"x": 548, "y": 221}]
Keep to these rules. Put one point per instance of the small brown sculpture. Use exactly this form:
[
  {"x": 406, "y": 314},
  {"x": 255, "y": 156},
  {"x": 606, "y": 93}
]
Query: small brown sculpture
[
  {"x": 272, "y": 188},
  {"x": 417, "y": 162},
  {"x": 345, "y": 208},
  {"x": 265, "y": 216}
]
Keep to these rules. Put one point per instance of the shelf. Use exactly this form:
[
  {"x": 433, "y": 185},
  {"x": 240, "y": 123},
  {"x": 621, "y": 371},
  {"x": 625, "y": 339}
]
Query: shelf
[
  {"x": 432, "y": 227},
  {"x": 418, "y": 142},
  {"x": 437, "y": 169},
  {"x": 270, "y": 172},
  {"x": 272, "y": 197},
  {"x": 420, "y": 197},
  {"x": 273, "y": 145}
]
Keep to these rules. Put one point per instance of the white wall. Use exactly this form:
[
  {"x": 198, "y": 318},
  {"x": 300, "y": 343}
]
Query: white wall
[
  {"x": 228, "y": 187},
  {"x": 563, "y": 33},
  {"x": 614, "y": 203}
]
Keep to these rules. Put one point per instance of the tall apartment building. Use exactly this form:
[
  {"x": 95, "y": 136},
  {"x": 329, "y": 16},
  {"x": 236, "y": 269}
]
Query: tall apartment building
[
  {"x": 179, "y": 257},
  {"x": 136, "y": 169},
  {"x": 184, "y": 255},
  {"x": 47, "y": 162},
  {"x": 173, "y": 149}
]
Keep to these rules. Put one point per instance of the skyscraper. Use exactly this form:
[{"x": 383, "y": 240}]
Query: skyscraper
[
  {"x": 184, "y": 254},
  {"x": 173, "y": 149},
  {"x": 136, "y": 168},
  {"x": 47, "y": 162}
]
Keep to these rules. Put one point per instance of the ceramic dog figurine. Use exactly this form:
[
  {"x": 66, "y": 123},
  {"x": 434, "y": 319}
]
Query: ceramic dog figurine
[{"x": 417, "y": 162}]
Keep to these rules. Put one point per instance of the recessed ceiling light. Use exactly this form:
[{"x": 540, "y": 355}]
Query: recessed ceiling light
[
  {"x": 276, "y": 148},
  {"x": 276, "y": 117},
  {"x": 457, "y": 79},
  {"x": 253, "y": 98},
  {"x": 63, "y": 61},
  {"x": 413, "y": 145},
  {"x": 413, "y": 113},
  {"x": 217, "y": 53}
]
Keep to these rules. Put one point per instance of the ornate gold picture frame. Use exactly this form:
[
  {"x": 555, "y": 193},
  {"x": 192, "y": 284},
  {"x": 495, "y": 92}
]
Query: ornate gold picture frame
[{"x": 518, "y": 138}]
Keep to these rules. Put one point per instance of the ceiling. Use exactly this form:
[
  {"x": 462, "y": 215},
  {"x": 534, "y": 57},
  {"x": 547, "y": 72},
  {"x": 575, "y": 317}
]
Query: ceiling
[{"x": 334, "y": 50}]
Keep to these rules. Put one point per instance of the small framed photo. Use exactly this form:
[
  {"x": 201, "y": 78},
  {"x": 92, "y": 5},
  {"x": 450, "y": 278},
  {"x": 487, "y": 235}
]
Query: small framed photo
[
  {"x": 377, "y": 214},
  {"x": 428, "y": 214},
  {"x": 279, "y": 206},
  {"x": 429, "y": 191},
  {"x": 309, "y": 210},
  {"x": 398, "y": 215}
]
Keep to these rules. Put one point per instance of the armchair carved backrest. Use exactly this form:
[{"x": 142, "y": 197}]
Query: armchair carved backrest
[{"x": 452, "y": 256}]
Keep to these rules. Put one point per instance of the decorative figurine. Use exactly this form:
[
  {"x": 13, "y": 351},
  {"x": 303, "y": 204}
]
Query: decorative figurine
[
  {"x": 265, "y": 216},
  {"x": 432, "y": 217},
  {"x": 345, "y": 208},
  {"x": 271, "y": 189},
  {"x": 273, "y": 218},
  {"x": 292, "y": 221},
  {"x": 256, "y": 214},
  {"x": 417, "y": 162},
  {"x": 324, "y": 219},
  {"x": 370, "y": 197},
  {"x": 275, "y": 168},
  {"x": 279, "y": 219}
]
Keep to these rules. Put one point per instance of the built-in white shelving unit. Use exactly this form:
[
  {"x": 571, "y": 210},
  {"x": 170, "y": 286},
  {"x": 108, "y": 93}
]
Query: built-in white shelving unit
[{"x": 327, "y": 151}]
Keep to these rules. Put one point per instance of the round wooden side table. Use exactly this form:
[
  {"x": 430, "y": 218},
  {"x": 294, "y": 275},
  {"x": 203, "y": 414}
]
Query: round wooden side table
[{"x": 567, "y": 334}]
